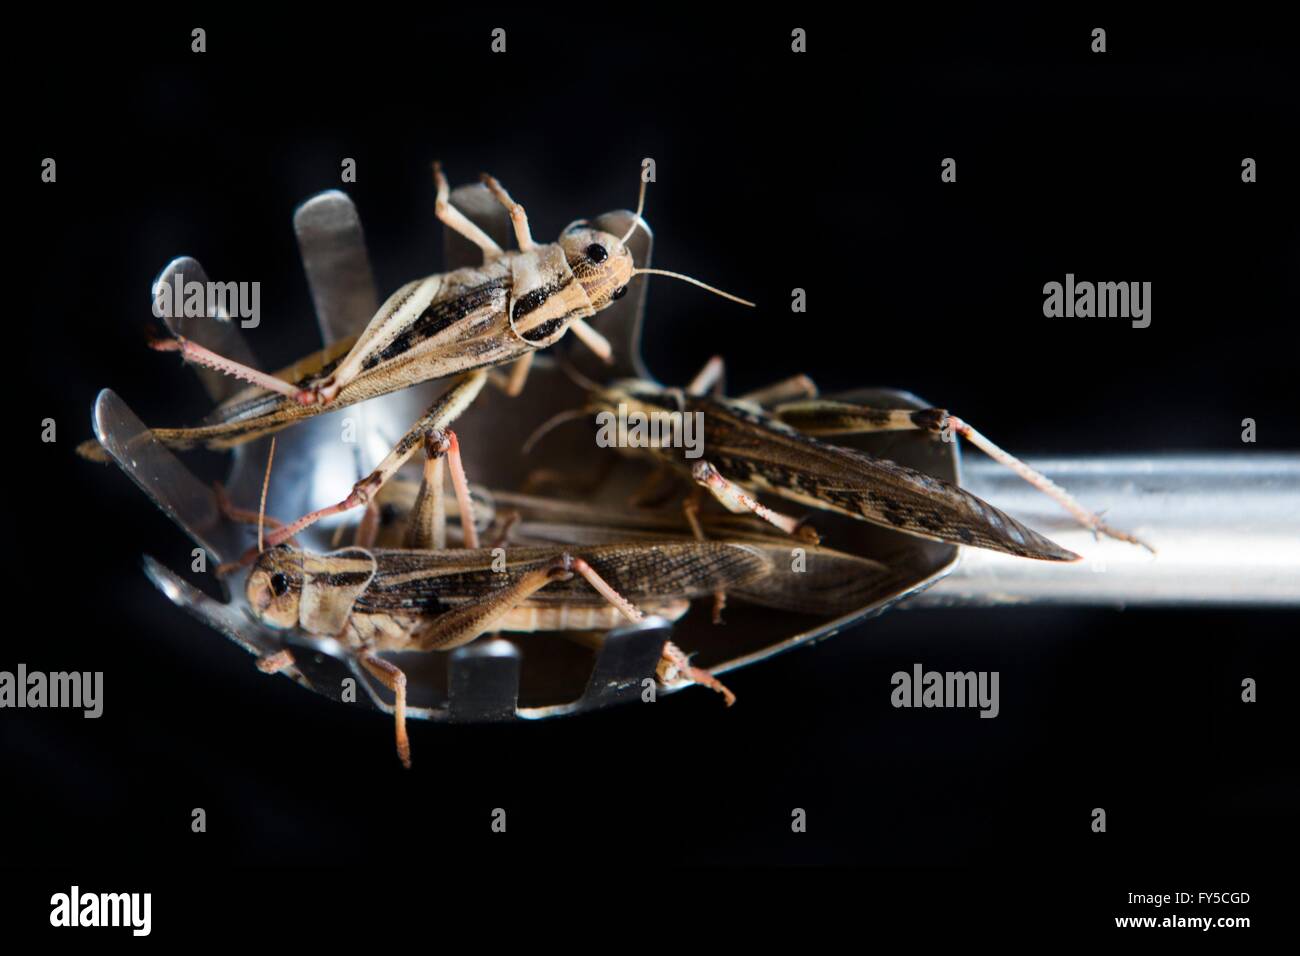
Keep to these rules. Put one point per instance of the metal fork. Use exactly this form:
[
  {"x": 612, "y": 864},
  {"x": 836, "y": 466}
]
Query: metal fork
[{"x": 483, "y": 681}]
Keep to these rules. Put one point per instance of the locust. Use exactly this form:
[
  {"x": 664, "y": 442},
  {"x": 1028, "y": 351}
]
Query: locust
[
  {"x": 457, "y": 323},
  {"x": 829, "y": 583},
  {"x": 768, "y": 442},
  {"x": 373, "y": 600},
  {"x": 376, "y": 600}
]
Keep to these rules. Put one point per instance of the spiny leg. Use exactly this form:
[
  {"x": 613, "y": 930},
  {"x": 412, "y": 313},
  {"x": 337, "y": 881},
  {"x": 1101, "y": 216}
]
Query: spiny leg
[
  {"x": 196, "y": 354},
  {"x": 736, "y": 500},
  {"x": 441, "y": 413},
  {"x": 518, "y": 218},
  {"x": 392, "y": 677},
  {"x": 457, "y": 221},
  {"x": 824, "y": 418},
  {"x": 676, "y": 665}
]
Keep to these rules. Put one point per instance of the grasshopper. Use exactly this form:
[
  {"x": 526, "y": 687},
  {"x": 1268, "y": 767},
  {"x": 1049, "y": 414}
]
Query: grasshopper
[
  {"x": 373, "y": 600},
  {"x": 830, "y": 584},
  {"x": 457, "y": 323},
  {"x": 765, "y": 442}
]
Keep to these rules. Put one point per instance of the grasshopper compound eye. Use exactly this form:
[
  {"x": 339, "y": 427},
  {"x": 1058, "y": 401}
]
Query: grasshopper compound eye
[
  {"x": 618, "y": 293},
  {"x": 597, "y": 253}
]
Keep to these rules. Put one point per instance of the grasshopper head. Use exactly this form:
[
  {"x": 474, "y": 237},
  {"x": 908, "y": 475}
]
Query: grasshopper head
[
  {"x": 599, "y": 261},
  {"x": 274, "y": 587}
]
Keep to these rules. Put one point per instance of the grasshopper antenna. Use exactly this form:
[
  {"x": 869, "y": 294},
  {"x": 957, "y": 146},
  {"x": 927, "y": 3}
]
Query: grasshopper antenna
[
  {"x": 576, "y": 377},
  {"x": 685, "y": 278},
  {"x": 548, "y": 426},
  {"x": 636, "y": 216},
  {"x": 266, "y": 483},
  {"x": 638, "y": 221},
  {"x": 572, "y": 414}
]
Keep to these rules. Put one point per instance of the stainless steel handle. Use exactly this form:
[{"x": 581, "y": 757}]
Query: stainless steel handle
[{"x": 1226, "y": 529}]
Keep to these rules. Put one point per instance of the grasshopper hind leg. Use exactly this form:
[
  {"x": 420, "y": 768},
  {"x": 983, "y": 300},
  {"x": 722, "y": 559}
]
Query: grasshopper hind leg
[{"x": 825, "y": 419}]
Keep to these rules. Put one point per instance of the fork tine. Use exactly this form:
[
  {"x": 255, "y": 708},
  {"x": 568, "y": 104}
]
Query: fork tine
[
  {"x": 160, "y": 475},
  {"x": 334, "y": 256},
  {"x": 483, "y": 682},
  {"x": 217, "y": 333},
  {"x": 627, "y": 656}
]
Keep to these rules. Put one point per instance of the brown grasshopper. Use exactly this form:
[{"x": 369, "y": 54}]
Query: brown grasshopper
[
  {"x": 764, "y": 442},
  {"x": 406, "y": 600},
  {"x": 830, "y": 582},
  {"x": 454, "y": 323},
  {"x": 373, "y": 600}
]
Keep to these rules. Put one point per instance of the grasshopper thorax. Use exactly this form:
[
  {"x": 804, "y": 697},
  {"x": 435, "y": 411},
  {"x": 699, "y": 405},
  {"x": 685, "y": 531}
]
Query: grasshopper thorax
[
  {"x": 599, "y": 261},
  {"x": 274, "y": 588}
]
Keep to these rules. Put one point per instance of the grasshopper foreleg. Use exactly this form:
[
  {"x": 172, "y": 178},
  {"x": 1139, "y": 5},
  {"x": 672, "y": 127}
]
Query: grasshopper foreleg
[
  {"x": 513, "y": 384},
  {"x": 518, "y": 218},
  {"x": 457, "y": 221}
]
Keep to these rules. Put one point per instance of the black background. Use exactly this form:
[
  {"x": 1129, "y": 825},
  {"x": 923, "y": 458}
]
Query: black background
[{"x": 774, "y": 171}]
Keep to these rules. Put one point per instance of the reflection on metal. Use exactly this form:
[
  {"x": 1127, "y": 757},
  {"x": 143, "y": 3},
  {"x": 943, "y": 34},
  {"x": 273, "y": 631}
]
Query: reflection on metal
[{"x": 1226, "y": 530}]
